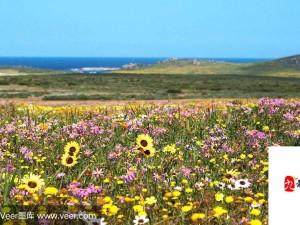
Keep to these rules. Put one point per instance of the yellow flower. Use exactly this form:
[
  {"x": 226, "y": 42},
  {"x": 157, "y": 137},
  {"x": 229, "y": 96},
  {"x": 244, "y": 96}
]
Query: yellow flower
[
  {"x": 170, "y": 148},
  {"x": 138, "y": 208},
  {"x": 148, "y": 151},
  {"x": 114, "y": 209},
  {"x": 176, "y": 193},
  {"x": 248, "y": 199},
  {"x": 265, "y": 169},
  {"x": 266, "y": 128},
  {"x": 43, "y": 126},
  {"x": 6, "y": 209},
  {"x": 68, "y": 160},
  {"x": 50, "y": 191},
  {"x": 142, "y": 213},
  {"x": 196, "y": 216},
  {"x": 165, "y": 216},
  {"x": 259, "y": 195},
  {"x": 32, "y": 183},
  {"x": 35, "y": 197},
  {"x": 255, "y": 204},
  {"x": 242, "y": 156},
  {"x": 261, "y": 201},
  {"x": 150, "y": 201},
  {"x": 108, "y": 200},
  {"x": 42, "y": 210},
  {"x": 72, "y": 148},
  {"x": 168, "y": 195},
  {"x": 255, "y": 212},
  {"x": 219, "y": 211},
  {"x": 198, "y": 143},
  {"x": 144, "y": 141},
  {"x": 188, "y": 190},
  {"x": 186, "y": 208},
  {"x": 109, "y": 209},
  {"x": 219, "y": 197},
  {"x": 229, "y": 199},
  {"x": 255, "y": 222}
]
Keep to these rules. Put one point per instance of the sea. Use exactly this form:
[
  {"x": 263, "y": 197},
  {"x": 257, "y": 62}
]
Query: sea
[{"x": 96, "y": 64}]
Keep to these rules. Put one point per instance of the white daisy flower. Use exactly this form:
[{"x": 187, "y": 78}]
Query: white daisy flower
[
  {"x": 198, "y": 185},
  {"x": 233, "y": 187},
  {"x": 220, "y": 185},
  {"x": 140, "y": 220},
  {"x": 95, "y": 221},
  {"x": 177, "y": 188},
  {"x": 242, "y": 183}
]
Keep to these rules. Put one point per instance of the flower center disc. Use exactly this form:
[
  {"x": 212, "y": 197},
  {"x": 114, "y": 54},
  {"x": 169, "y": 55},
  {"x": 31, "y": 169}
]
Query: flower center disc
[
  {"x": 32, "y": 184},
  {"x": 72, "y": 149},
  {"x": 70, "y": 160},
  {"x": 147, "y": 152},
  {"x": 144, "y": 143}
]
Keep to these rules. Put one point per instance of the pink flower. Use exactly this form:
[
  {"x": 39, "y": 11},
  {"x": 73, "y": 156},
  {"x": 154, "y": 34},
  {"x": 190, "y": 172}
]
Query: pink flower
[
  {"x": 98, "y": 173},
  {"x": 186, "y": 172},
  {"x": 130, "y": 175}
]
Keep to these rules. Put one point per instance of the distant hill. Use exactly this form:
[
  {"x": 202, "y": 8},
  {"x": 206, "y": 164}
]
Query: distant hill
[
  {"x": 283, "y": 67},
  {"x": 291, "y": 61}
]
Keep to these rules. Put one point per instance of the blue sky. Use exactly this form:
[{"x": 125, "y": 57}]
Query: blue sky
[{"x": 156, "y": 28}]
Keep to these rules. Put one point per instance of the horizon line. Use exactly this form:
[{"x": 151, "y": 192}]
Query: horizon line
[{"x": 167, "y": 57}]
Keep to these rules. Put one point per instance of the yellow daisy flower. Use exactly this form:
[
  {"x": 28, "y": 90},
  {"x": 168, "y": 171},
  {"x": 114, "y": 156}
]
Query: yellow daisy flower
[
  {"x": 149, "y": 152},
  {"x": 32, "y": 183},
  {"x": 68, "y": 160},
  {"x": 72, "y": 148},
  {"x": 144, "y": 141}
]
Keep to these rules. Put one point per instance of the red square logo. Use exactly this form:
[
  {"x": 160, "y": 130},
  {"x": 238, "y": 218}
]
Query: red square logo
[{"x": 289, "y": 184}]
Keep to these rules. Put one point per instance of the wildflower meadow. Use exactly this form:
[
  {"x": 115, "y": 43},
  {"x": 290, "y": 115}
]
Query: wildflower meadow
[{"x": 197, "y": 163}]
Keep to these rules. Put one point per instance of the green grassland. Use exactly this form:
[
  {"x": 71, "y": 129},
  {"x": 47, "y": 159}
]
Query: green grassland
[
  {"x": 167, "y": 80},
  {"x": 19, "y": 70},
  {"x": 144, "y": 86}
]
